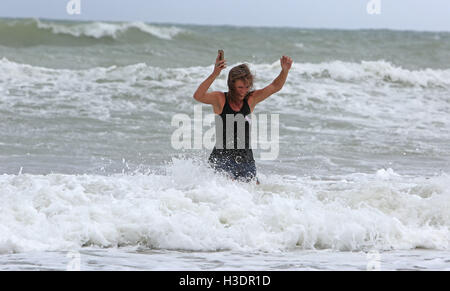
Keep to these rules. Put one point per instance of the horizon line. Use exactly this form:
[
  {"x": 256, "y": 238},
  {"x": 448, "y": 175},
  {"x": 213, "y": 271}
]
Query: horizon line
[{"x": 226, "y": 25}]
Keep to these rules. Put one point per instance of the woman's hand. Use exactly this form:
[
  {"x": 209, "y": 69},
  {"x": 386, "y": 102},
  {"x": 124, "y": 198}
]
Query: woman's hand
[
  {"x": 286, "y": 63},
  {"x": 219, "y": 66}
]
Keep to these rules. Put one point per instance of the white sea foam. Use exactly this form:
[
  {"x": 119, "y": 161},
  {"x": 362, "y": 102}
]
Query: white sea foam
[
  {"x": 190, "y": 208},
  {"x": 337, "y": 70},
  {"x": 368, "y": 70},
  {"x": 366, "y": 89}
]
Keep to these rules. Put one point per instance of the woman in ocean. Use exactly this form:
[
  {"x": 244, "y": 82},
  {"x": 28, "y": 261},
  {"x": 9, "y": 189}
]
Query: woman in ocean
[{"x": 234, "y": 155}]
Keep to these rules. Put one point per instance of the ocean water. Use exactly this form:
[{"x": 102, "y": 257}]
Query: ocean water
[{"x": 90, "y": 179}]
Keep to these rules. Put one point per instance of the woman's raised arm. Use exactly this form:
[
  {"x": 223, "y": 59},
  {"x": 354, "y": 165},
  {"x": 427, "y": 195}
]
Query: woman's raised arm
[
  {"x": 201, "y": 94},
  {"x": 276, "y": 85}
]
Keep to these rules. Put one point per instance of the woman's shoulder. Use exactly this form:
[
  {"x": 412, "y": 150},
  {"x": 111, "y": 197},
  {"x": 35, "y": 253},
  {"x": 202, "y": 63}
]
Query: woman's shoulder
[
  {"x": 251, "y": 100},
  {"x": 221, "y": 96},
  {"x": 218, "y": 95}
]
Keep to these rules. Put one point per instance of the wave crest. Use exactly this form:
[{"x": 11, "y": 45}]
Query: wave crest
[
  {"x": 113, "y": 30},
  {"x": 28, "y": 32},
  {"x": 378, "y": 71},
  {"x": 192, "y": 209}
]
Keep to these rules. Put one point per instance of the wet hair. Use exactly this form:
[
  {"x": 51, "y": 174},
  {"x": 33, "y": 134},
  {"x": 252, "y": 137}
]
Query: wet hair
[{"x": 240, "y": 72}]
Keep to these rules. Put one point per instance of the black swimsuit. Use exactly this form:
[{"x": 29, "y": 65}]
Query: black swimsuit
[{"x": 232, "y": 153}]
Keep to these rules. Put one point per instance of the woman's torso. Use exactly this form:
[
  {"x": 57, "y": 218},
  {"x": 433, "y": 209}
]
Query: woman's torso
[{"x": 233, "y": 127}]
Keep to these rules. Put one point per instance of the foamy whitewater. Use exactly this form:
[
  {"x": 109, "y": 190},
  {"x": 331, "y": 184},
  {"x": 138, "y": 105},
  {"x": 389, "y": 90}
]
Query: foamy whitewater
[{"x": 90, "y": 180}]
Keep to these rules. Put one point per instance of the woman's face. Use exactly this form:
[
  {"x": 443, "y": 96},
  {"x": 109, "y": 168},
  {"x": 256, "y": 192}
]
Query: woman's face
[{"x": 241, "y": 89}]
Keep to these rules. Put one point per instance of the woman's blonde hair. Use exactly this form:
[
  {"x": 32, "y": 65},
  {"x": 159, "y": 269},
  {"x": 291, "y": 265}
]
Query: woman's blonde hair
[{"x": 241, "y": 72}]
